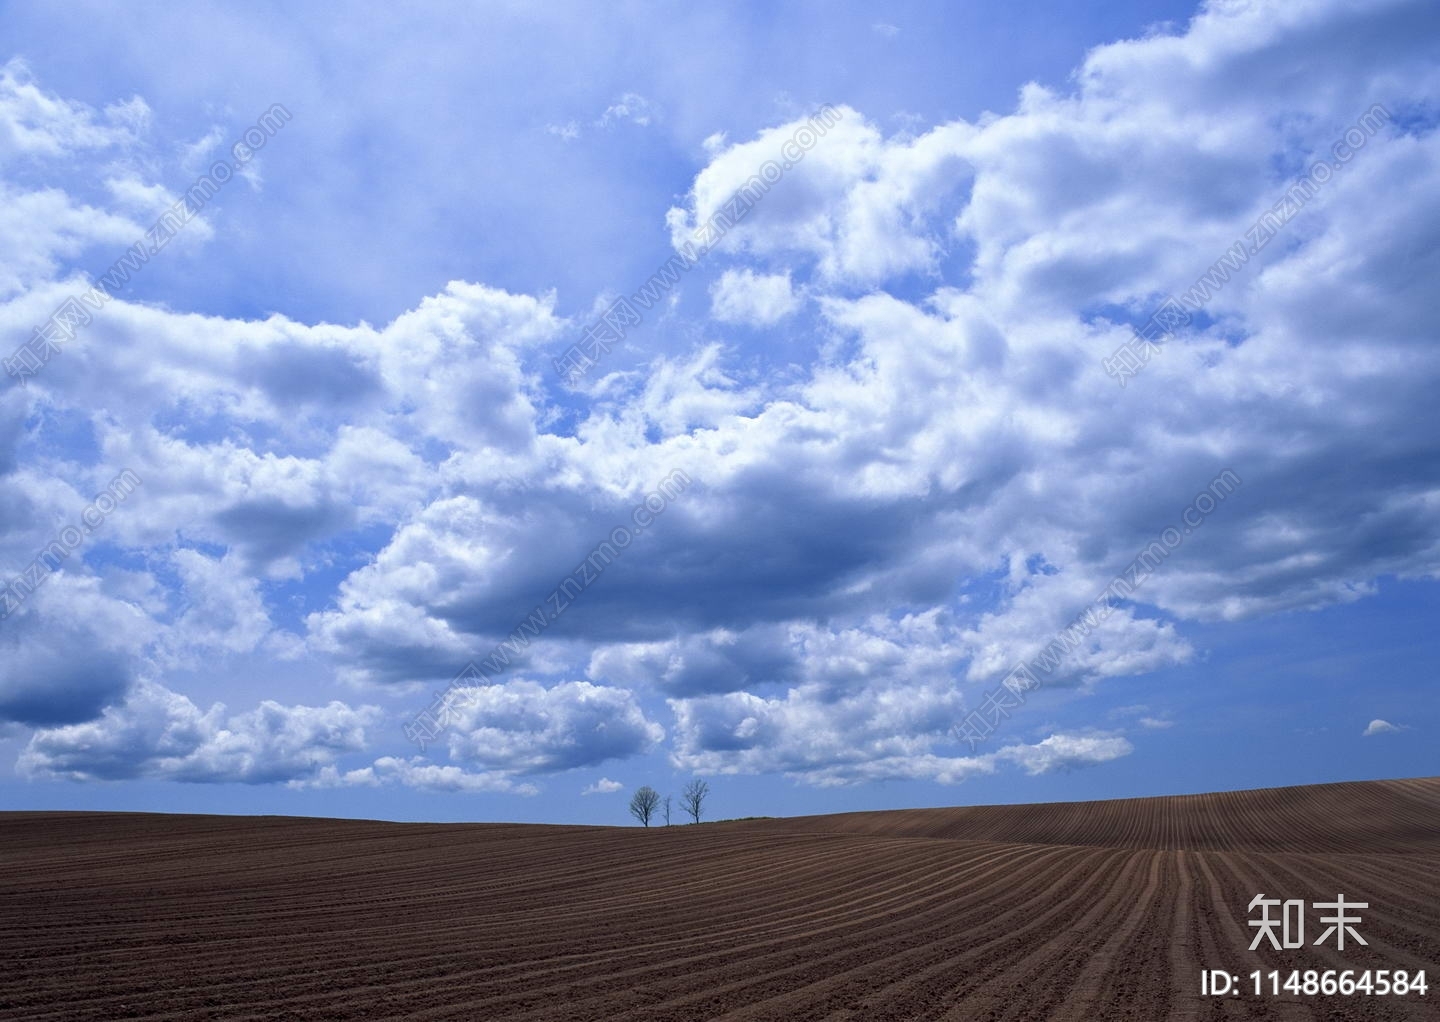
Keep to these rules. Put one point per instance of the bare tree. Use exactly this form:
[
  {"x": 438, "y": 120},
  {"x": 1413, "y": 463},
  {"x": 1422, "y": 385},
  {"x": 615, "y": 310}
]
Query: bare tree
[
  {"x": 642, "y": 805},
  {"x": 692, "y": 799},
  {"x": 666, "y": 804}
]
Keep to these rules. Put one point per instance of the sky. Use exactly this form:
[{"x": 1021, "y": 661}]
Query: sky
[{"x": 477, "y": 413}]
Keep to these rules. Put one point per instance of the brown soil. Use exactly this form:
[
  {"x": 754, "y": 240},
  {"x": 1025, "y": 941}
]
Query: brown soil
[{"x": 1076, "y": 911}]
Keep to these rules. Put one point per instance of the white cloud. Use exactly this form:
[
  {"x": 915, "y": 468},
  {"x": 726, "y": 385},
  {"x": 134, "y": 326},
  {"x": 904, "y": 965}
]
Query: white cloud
[
  {"x": 198, "y": 156},
  {"x": 224, "y": 609},
  {"x": 741, "y": 296},
  {"x": 604, "y": 786},
  {"x": 40, "y": 228},
  {"x": 694, "y": 392},
  {"x": 1382, "y": 727},
  {"x": 854, "y": 563},
  {"x": 846, "y": 729},
  {"x": 630, "y": 107},
  {"x": 36, "y": 123},
  {"x": 861, "y": 208},
  {"x": 880, "y": 651},
  {"x": 1066, "y": 752},
  {"x": 513, "y": 730},
  {"x": 873, "y": 734},
  {"x": 73, "y": 648},
  {"x": 522, "y": 727},
  {"x": 160, "y": 734},
  {"x": 416, "y": 772},
  {"x": 146, "y": 202}
]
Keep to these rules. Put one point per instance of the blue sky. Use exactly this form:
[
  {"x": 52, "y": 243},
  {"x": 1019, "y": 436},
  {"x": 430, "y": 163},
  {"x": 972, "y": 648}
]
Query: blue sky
[{"x": 892, "y": 390}]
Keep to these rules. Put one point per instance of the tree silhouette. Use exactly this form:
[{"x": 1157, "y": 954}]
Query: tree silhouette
[
  {"x": 692, "y": 799},
  {"x": 642, "y": 805}
]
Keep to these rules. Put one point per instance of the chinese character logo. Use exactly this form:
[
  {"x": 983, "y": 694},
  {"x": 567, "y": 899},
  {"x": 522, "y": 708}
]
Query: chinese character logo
[{"x": 1291, "y": 922}]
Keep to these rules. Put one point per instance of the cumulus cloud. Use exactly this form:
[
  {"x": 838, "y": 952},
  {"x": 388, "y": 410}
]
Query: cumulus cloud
[
  {"x": 34, "y": 122},
  {"x": 629, "y": 107},
  {"x": 881, "y": 650},
  {"x": 522, "y": 727},
  {"x": 160, "y": 734},
  {"x": 853, "y": 564},
  {"x": 1381, "y": 727},
  {"x": 866, "y": 709},
  {"x": 604, "y": 786},
  {"x": 42, "y": 227},
  {"x": 502, "y": 734},
  {"x": 418, "y": 773},
  {"x": 1066, "y": 752},
  {"x": 858, "y": 208},
  {"x": 872, "y": 735},
  {"x": 71, "y": 650},
  {"x": 742, "y": 296},
  {"x": 224, "y": 608}
]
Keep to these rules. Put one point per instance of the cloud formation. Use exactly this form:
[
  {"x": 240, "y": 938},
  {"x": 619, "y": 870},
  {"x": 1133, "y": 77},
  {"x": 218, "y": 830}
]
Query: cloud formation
[
  {"x": 925, "y": 484},
  {"x": 1381, "y": 727},
  {"x": 159, "y": 734}
]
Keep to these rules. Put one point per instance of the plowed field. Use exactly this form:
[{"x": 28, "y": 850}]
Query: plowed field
[{"x": 1094, "y": 911}]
